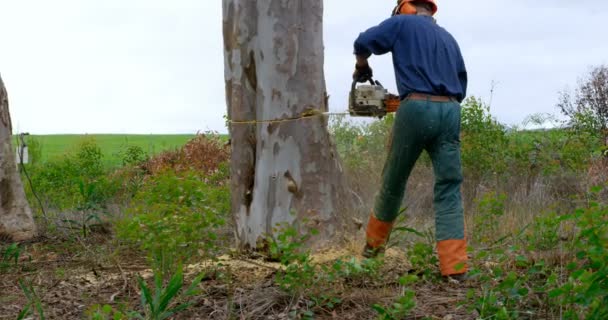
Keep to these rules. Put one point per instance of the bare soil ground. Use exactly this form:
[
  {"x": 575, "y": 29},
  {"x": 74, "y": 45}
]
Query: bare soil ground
[{"x": 70, "y": 277}]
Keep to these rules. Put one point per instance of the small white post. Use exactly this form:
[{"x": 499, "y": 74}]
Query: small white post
[{"x": 22, "y": 154}]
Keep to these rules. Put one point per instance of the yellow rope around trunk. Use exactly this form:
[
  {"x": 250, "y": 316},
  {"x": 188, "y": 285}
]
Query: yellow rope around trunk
[{"x": 304, "y": 115}]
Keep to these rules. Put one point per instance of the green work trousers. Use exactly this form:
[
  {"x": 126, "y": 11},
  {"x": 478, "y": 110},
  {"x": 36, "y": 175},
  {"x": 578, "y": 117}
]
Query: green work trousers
[{"x": 434, "y": 127}]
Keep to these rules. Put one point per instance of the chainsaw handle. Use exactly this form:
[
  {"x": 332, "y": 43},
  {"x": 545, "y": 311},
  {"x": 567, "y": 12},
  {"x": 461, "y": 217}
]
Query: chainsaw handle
[{"x": 354, "y": 85}]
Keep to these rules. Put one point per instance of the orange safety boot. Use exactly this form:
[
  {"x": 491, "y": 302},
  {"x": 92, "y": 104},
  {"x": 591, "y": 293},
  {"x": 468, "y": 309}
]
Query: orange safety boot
[{"x": 377, "y": 235}]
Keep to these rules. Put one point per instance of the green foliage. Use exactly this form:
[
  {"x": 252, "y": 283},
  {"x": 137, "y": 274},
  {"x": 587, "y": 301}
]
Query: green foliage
[
  {"x": 362, "y": 145},
  {"x": 544, "y": 233},
  {"x": 9, "y": 256},
  {"x": 490, "y": 208},
  {"x": 421, "y": 255},
  {"x": 174, "y": 217},
  {"x": 112, "y": 145},
  {"x": 288, "y": 247},
  {"x": 550, "y": 152},
  {"x": 88, "y": 156},
  {"x": 353, "y": 269},
  {"x": 512, "y": 284},
  {"x": 585, "y": 293},
  {"x": 302, "y": 277},
  {"x": 105, "y": 312},
  {"x": 483, "y": 140},
  {"x": 503, "y": 294},
  {"x": 34, "y": 304},
  {"x": 133, "y": 155},
  {"x": 403, "y": 305},
  {"x": 420, "y": 251},
  {"x": 78, "y": 179},
  {"x": 158, "y": 301},
  {"x": 88, "y": 210}
]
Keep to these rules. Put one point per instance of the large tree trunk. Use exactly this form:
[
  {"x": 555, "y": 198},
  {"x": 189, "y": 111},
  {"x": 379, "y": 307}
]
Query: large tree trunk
[
  {"x": 16, "y": 220},
  {"x": 285, "y": 172}
]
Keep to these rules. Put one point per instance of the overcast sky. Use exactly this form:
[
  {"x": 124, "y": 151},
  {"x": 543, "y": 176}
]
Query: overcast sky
[{"x": 156, "y": 66}]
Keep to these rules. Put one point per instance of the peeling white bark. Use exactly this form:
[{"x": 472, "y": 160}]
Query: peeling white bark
[
  {"x": 283, "y": 172},
  {"x": 16, "y": 220}
]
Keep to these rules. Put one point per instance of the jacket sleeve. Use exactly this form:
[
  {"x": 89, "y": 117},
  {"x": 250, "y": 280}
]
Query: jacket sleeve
[{"x": 377, "y": 40}]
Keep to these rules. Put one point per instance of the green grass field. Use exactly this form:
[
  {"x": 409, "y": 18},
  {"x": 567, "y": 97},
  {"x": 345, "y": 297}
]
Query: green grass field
[{"x": 54, "y": 146}]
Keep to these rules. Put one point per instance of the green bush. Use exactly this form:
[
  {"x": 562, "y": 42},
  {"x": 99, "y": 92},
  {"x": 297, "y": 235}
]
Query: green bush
[
  {"x": 490, "y": 208},
  {"x": 133, "y": 155},
  {"x": 175, "y": 217},
  {"x": 62, "y": 182},
  {"x": 484, "y": 141},
  {"x": 585, "y": 293},
  {"x": 362, "y": 146},
  {"x": 403, "y": 305},
  {"x": 569, "y": 283}
]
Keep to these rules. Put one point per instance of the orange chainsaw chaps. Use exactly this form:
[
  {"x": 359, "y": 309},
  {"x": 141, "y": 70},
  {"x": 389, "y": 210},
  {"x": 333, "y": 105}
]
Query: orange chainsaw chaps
[
  {"x": 377, "y": 232},
  {"x": 392, "y": 104},
  {"x": 452, "y": 256}
]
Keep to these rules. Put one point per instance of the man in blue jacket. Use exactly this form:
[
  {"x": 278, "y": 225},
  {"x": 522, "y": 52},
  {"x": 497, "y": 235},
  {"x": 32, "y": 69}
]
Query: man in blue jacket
[{"x": 432, "y": 81}]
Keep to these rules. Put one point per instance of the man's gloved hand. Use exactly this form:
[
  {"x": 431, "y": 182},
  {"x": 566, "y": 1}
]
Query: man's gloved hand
[{"x": 363, "y": 73}]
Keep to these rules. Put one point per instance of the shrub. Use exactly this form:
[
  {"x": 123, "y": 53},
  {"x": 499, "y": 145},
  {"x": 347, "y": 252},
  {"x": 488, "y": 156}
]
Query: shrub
[
  {"x": 585, "y": 293},
  {"x": 174, "y": 217},
  {"x": 204, "y": 153},
  {"x": 362, "y": 146},
  {"x": 484, "y": 141},
  {"x": 572, "y": 286},
  {"x": 490, "y": 208},
  {"x": 61, "y": 182},
  {"x": 133, "y": 155}
]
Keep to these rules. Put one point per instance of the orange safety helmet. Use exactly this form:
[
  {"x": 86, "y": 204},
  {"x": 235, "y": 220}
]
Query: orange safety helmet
[{"x": 407, "y": 6}]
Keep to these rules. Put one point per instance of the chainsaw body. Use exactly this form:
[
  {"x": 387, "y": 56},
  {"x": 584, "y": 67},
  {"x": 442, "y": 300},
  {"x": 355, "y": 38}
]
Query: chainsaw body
[{"x": 371, "y": 100}]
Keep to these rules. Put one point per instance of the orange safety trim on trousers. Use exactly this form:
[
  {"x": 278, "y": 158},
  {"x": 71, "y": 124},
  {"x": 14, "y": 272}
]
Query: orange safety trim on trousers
[
  {"x": 452, "y": 256},
  {"x": 377, "y": 232}
]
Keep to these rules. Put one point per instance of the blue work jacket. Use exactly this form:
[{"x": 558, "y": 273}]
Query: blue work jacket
[{"x": 426, "y": 57}]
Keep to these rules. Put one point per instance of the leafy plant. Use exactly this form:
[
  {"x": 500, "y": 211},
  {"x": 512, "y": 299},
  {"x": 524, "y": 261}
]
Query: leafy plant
[
  {"x": 105, "y": 312},
  {"x": 33, "y": 302},
  {"x": 287, "y": 247},
  {"x": 133, "y": 155},
  {"x": 586, "y": 290},
  {"x": 60, "y": 181},
  {"x": 174, "y": 218},
  {"x": 483, "y": 140},
  {"x": 490, "y": 208},
  {"x": 9, "y": 256},
  {"x": 403, "y": 305},
  {"x": 544, "y": 233},
  {"x": 159, "y": 301},
  {"x": 88, "y": 209}
]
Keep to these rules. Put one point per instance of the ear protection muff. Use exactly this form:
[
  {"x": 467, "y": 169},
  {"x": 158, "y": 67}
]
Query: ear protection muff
[{"x": 404, "y": 7}]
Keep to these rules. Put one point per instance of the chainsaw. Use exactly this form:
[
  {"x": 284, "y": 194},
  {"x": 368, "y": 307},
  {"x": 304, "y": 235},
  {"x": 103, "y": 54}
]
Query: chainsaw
[{"x": 371, "y": 100}]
